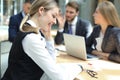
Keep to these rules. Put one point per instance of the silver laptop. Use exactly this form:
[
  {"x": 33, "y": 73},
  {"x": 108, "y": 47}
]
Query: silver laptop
[{"x": 75, "y": 46}]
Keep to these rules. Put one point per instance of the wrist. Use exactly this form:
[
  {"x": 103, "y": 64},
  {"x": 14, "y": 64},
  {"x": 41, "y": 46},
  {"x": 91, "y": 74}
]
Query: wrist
[
  {"x": 94, "y": 52},
  {"x": 49, "y": 39},
  {"x": 106, "y": 54},
  {"x": 60, "y": 27}
]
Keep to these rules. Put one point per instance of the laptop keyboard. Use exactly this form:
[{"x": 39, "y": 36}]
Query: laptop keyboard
[{"x": 91, "y": 56}]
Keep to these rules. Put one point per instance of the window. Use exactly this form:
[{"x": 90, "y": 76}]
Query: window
[{"x": 8, "y": 8}]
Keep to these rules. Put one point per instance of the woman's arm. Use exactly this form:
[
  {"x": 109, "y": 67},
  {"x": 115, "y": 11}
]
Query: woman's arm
[
  {"x": 115, "y": 55},
  {"x": 35, "y": 48},
  {"x": 111, "y": 44},
  {"x": 101, "y": 54}
]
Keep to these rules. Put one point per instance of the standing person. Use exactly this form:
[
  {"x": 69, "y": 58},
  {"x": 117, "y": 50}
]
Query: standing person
[
  {"x": 32, "y": 57},
  {"x": 78, "y": 26},
  {"x": 15, "y": 20},
  {"x": 105, "y": 38}
]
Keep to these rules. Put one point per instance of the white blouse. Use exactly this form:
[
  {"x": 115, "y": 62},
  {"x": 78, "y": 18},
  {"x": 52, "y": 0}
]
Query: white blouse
[
  {"x": 42, "y": 52},
  {"x": 99, "y": 42}
]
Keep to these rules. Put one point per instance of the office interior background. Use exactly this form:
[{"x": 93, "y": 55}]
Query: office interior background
[
  {"x": 12, "y": 7},
  {"x": 87, "y": 7}
]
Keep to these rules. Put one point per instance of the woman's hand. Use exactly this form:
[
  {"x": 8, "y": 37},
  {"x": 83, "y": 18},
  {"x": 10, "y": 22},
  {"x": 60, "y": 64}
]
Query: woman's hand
[
  {"x": 101, "y": 54},
  {"x": 47, "y": 34}
]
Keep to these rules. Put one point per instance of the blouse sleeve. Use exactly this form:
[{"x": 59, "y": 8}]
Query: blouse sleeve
[
  {"x": 36, "y": 49},
  {"x": 51, "y": 49},
  {"x": 115, "y": 55}
]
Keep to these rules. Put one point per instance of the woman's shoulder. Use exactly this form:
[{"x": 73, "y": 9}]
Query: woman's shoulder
[
  {"x": 33, "y": 37},
  {"x": 115, "y": 30}
]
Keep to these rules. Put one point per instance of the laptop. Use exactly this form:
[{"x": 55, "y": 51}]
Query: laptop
[{"x": 75, "y": 46}]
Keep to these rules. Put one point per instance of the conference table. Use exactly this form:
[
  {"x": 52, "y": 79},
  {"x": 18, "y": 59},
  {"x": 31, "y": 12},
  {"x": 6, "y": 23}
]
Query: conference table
[{"x": 106, "y": 70}]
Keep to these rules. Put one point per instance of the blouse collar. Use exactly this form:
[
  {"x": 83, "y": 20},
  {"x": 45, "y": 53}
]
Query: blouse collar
[{"x": 31, "y": 23}]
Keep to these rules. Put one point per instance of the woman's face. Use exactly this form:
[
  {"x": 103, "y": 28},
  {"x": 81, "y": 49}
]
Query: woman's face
[
  {"x": 98, "y": 18},
  {"x": 48, "y": 19}
]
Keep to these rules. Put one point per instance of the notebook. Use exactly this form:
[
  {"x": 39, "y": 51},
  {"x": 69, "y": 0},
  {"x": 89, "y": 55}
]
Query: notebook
[{"x": 75, "y": 46}]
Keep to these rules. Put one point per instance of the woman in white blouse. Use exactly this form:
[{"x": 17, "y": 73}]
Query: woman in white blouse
[{"x": 32, "y": 56}]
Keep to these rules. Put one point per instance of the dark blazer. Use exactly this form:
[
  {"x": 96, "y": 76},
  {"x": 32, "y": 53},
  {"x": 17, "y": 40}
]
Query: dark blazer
[
  {"x": 20, "y": 65},
  {"x": 110, "y": 43},
  {"x": 81, "y": 30},
  {"x": 14, "y": 24}
]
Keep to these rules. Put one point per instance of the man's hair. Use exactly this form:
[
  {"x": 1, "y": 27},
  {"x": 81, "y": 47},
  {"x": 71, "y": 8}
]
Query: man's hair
[
  {"x": 28, "y": 1},
  {"x": 73, "y": 4}
]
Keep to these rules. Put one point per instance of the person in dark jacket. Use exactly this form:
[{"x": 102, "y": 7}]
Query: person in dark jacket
[
  {"x": 15, "y": 20},
  {"x": 105, "y": 38},
  {"x": 71, "y": 23}
]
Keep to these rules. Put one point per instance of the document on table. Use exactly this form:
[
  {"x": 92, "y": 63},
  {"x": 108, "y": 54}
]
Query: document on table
[
  {"x": 70, "y": 71},
  {"x": 73, "y": 69}
]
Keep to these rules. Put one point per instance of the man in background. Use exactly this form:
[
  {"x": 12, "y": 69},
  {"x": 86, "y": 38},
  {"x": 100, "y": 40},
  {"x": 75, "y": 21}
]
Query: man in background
[
  {"x": 15, "y": 20},
  {"x": 72, "y": 24}
]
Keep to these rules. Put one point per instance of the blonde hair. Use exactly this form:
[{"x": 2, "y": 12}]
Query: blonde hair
[
  {"x": 109, "y": 12},
  {"x": 47, "y": 4}
]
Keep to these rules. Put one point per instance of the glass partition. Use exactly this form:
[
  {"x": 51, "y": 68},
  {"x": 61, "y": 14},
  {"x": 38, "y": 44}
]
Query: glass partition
[{"x": 8, "y": 8}]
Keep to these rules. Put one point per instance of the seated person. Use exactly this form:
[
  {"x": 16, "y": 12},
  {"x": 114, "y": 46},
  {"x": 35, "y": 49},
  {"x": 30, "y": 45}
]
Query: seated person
[
  {"x": 105, "y": 38},
  {"x": 78, "y": 26},
  {"x": 15, "y": 20},
  {"x": 32, "y": 56}
]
